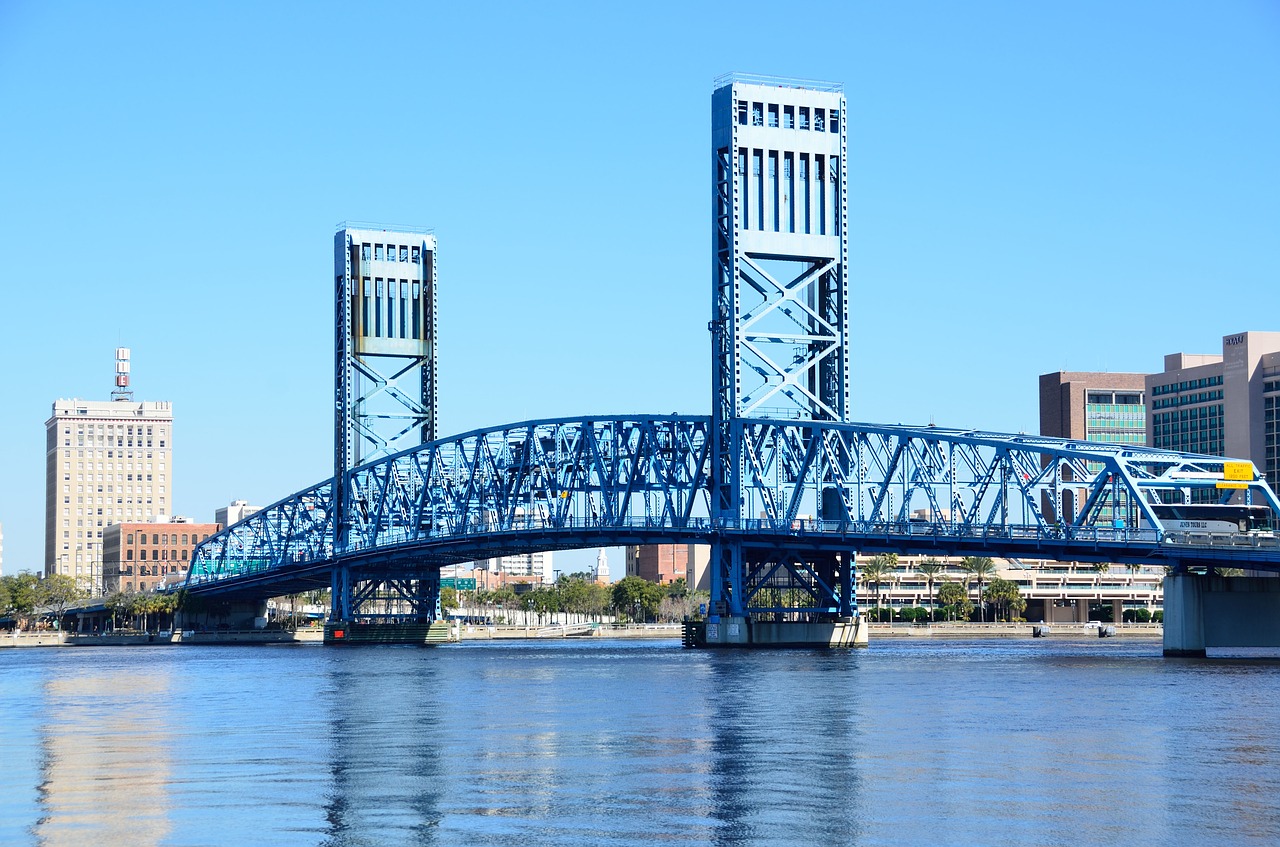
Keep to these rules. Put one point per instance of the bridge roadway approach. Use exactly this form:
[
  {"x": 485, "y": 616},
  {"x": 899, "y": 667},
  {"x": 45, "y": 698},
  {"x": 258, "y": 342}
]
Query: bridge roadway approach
[{"x": 808, "y": 494}]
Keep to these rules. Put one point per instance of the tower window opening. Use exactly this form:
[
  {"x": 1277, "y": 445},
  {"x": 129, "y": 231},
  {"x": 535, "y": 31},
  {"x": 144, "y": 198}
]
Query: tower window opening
[
  {"x": 757, "y": 114},
  {"x": 773, "y": 115},
  {"x": 804, "y": 117},
  {"x": 788, "y": 117}
]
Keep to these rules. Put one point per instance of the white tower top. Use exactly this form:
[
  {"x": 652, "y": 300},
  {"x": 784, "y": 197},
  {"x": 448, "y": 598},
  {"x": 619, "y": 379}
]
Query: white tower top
[{"x": 602, "y": 566}]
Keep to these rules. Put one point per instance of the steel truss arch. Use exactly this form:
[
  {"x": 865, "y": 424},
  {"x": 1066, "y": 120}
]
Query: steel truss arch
[{"x": 810, "y": 491}]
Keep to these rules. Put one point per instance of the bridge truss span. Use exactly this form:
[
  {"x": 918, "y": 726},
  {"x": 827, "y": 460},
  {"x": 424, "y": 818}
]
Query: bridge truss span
[{"x": 806, "y": 488}]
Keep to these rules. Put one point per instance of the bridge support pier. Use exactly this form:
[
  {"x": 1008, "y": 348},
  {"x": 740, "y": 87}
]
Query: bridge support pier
[
  {"x": 223, "y": 614},
  {"x": 779, "y": 597},
  {"x": 732, "y": 631},
  {"x": 1219, "y": 611},
  {"x": 400, "y": 608}
]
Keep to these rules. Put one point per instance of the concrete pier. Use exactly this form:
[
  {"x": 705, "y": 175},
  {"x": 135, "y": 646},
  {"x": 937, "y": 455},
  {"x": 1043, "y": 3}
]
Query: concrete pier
[
  {"x": 1219, "y": 611},
  {"x": 744, "y": 632}
]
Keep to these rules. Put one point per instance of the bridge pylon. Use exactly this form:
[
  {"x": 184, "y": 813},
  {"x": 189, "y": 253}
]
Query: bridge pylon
[
  {"x": 384, "y": 399},
  {"x": 779, "y": 335}
]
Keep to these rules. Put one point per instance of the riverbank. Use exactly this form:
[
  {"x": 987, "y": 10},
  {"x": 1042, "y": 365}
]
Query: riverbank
[
  {"x": 1013, "y": 630},
  {"x": 315, "y": 635},
  {"x": 123, "y": 638}
]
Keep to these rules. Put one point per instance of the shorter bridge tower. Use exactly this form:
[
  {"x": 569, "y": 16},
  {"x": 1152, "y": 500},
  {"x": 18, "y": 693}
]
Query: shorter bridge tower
[{"x": 384, "y": 395}]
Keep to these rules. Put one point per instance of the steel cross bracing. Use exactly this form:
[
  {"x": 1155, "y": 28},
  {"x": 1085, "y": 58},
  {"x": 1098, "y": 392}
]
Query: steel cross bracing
[{"x": 811, "y": 492}]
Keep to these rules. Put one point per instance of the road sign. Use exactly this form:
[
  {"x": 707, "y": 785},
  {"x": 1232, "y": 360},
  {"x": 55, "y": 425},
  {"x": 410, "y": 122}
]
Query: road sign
[{"x": 1238, "y": 471}]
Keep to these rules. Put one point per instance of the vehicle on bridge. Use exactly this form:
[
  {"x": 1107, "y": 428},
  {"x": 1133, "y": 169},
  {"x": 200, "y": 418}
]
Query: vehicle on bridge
[{"x": 1200, "y": 519}]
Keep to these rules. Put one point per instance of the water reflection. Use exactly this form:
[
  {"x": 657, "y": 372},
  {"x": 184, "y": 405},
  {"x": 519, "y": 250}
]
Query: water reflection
[
  {"x": 600, "y": 744},
  {"x": 785, "y": 764},
  {"x": 385, "y": 712},
  {"x": 107, "y": 762}
]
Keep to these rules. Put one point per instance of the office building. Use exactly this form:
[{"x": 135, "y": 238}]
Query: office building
[
  {"x": 235, "y": 512},
  {"x": 1103, "y": 407},
  {"x": 1055, "y": 592},
  {"x": 533, "y": 568},
  {"x": 665, "y": 563},
  {"x": 140, "y": 556},
  {"x": 107, "y": 462},
  {"x": 1221, "y": 404}
]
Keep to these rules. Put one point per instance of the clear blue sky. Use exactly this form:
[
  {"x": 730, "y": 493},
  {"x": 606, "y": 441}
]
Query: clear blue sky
[{"x": 1033, "y": 187}]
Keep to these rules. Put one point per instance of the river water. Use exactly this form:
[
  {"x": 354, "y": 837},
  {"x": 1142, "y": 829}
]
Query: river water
[{"x": 912, "y": 741}]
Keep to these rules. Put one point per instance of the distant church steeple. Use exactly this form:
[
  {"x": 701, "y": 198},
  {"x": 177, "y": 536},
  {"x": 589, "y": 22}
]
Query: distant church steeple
[{"x": 602, "y": 567}]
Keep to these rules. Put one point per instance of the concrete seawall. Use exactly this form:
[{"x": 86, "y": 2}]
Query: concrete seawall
[{"x": 1010, "y": 630}]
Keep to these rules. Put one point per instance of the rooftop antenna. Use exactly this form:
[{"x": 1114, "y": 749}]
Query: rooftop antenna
[{"x": 122, "y": 391}]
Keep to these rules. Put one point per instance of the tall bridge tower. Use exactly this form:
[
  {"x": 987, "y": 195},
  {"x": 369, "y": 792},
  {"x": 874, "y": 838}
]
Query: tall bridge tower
[
  {"x": 384, "y": 384},
  {"x": 779, "y": 315}
]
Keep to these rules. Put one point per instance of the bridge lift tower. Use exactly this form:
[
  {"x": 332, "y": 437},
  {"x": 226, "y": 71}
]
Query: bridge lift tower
[
  {"x": 779, "y": 335},
  {"x": 384, "y": 393}
]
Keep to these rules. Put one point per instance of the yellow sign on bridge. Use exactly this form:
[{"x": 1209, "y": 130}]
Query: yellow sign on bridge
[{"x": 1241, "y": 471}]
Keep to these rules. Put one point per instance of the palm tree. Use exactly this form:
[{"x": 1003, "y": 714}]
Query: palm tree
[
  {"x": 930, "y": 568},
  {"x": 876, "y": 571},
  {"x": 980, "y": 568}
]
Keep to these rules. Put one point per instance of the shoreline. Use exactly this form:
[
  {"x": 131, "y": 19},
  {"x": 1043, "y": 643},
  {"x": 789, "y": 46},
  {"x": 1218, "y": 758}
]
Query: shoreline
[{"x": 315, "y": 635}]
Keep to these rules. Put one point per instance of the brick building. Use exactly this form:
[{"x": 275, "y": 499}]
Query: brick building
[{"x": 141, "y": 556}]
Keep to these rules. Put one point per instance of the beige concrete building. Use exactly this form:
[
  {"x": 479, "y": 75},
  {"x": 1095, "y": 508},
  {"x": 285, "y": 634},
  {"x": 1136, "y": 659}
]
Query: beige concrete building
[
  {"x": 106, "y": 462},
  {"x": 1056, "y": 592},
  {"x": 234, "y": 512}
]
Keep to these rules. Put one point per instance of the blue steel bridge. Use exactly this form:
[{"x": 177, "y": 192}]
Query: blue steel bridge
[
  {"x": 778, "y": 479},
  {"x": 809, "y": 490}
]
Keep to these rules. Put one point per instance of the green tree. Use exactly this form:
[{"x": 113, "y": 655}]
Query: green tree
[
  {"x": 878, "y": 570},
  {"x": 980, "y": 569},
  {"x": 955, "y": 600},
  {"x": 1007, "y": 598},
  {"x": 542, "y": 600},
  {"x": 930, "y": 568},
  {"x": 59, "y": 591},
  {"x": 118, "y": 604},
  {"x": 637, "y": 598},
  {"x": 23, "y": 590},
  {"x": 448, "y": 598}
]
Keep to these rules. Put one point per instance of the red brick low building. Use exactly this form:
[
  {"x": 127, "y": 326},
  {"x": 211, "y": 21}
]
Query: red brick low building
[{"x": 140, "y": 556}]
